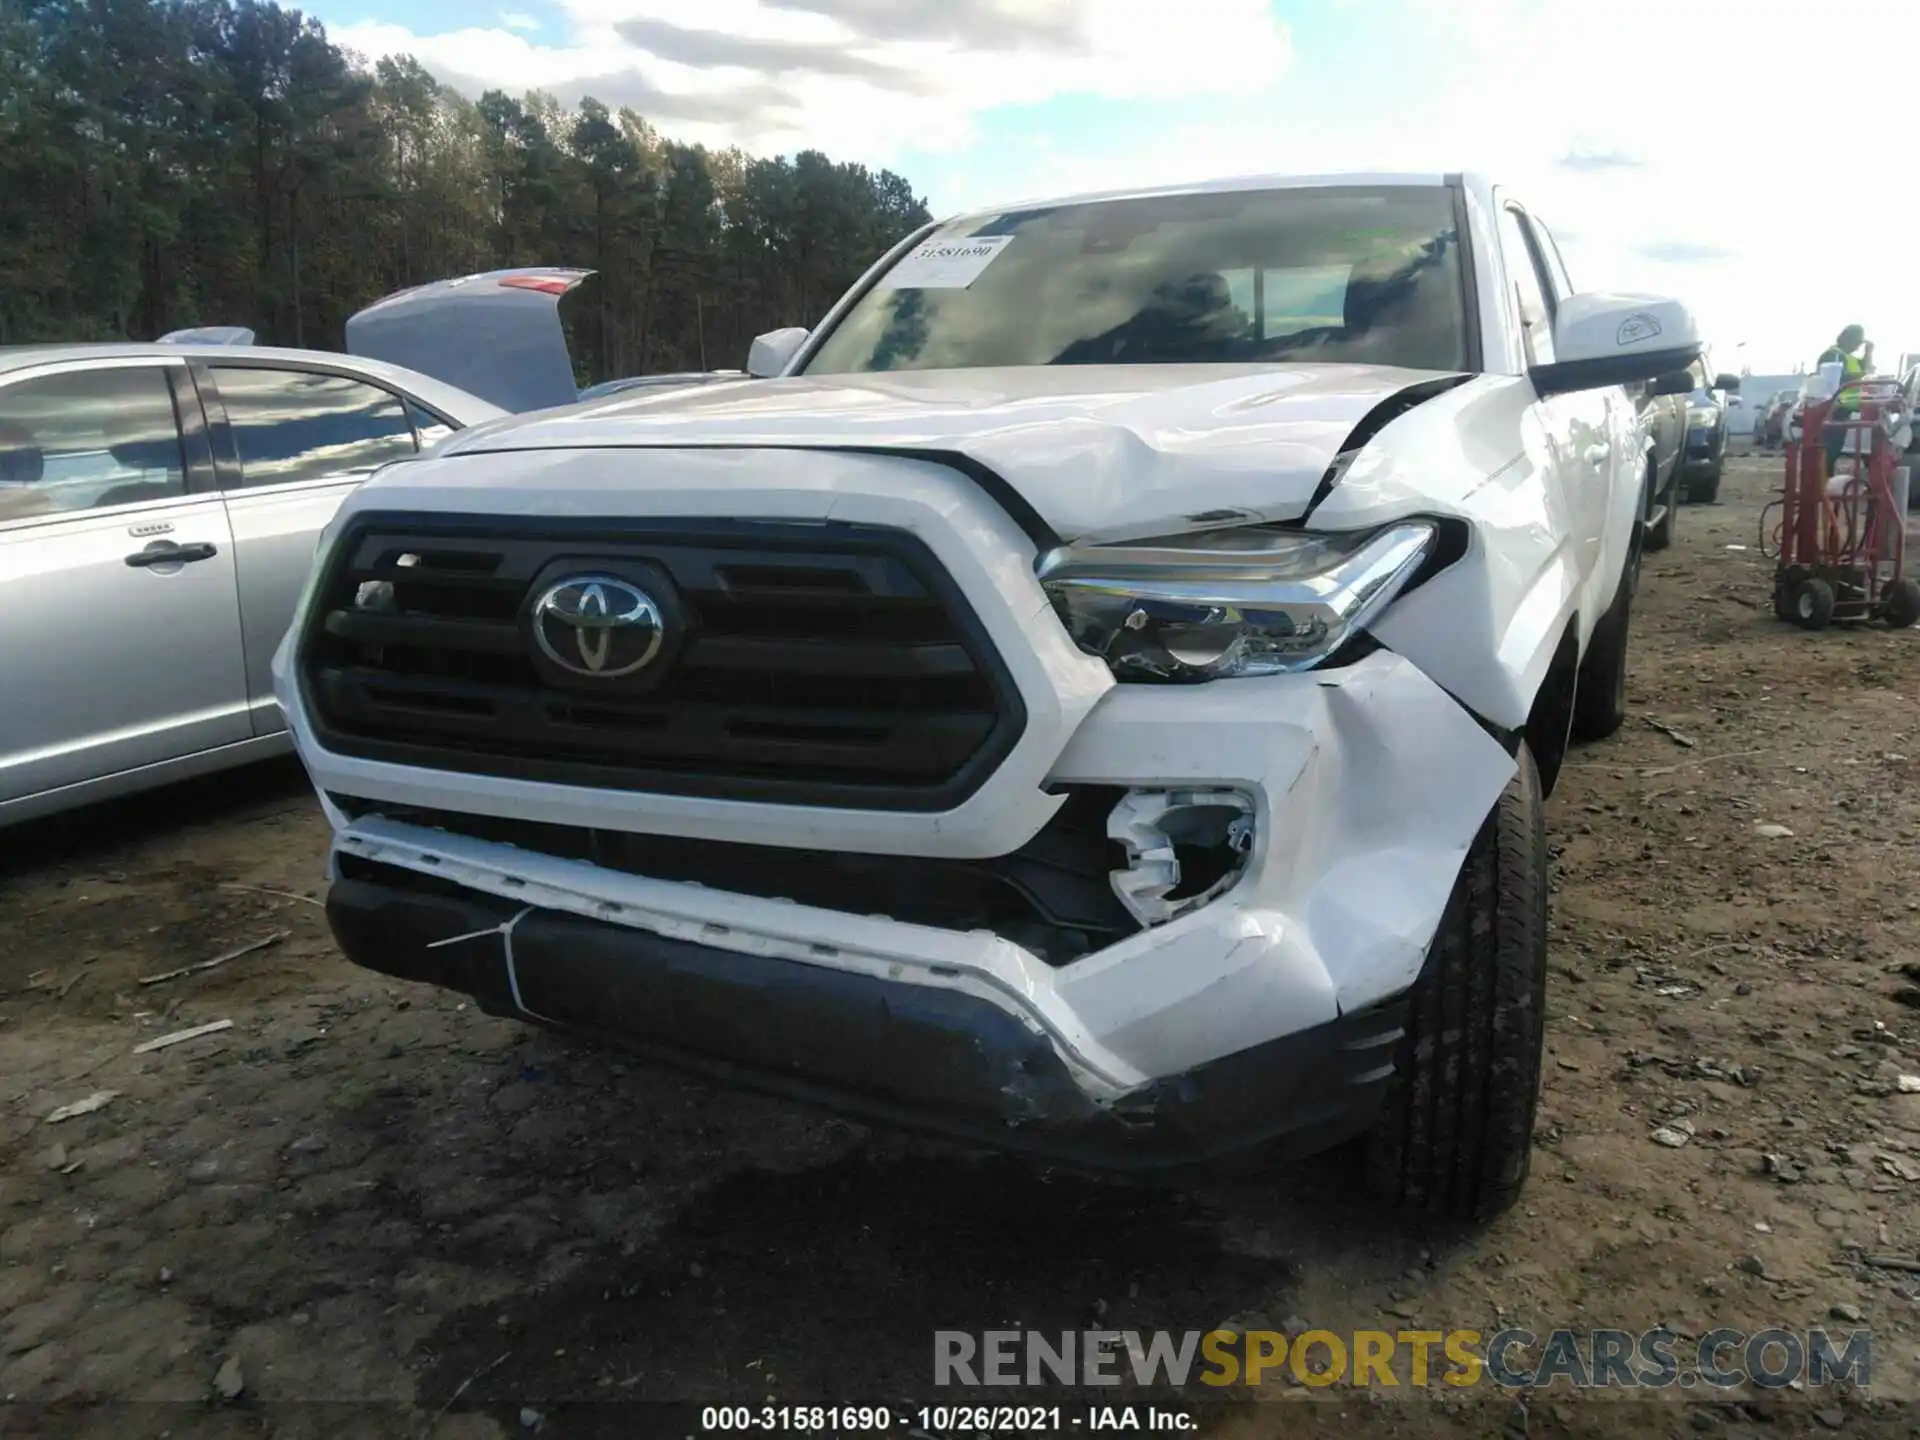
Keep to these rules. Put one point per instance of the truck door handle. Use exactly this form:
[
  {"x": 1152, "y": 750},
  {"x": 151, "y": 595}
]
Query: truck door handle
[
  {"x": 165, "y": 552},
  {"x": 1598, "y": 452}
]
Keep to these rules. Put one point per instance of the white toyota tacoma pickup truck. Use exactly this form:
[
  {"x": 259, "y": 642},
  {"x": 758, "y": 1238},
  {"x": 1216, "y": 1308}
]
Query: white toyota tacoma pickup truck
[{"x": 1093, "y": 694}]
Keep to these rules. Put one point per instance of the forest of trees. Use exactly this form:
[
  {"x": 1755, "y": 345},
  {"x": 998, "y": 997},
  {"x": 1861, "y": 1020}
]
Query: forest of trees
[{"x": 166, "y": 163}]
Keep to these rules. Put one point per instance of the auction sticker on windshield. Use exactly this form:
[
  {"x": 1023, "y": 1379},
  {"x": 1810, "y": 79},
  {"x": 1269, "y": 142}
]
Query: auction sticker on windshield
[{"x": 944, "y": 264}]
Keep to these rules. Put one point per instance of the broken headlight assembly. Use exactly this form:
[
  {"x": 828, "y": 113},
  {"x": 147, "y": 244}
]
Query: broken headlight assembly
[{"x": 1222, "y": 604}]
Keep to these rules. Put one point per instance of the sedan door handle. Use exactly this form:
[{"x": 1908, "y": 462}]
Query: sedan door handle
[
  {"x": 1597, "y": 453},
  {"x": 165, "y": 552}
]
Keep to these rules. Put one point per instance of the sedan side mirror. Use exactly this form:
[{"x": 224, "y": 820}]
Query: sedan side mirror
[
  {"x": 771, "y": 352},
  {"x": 1728, "y": 383},
  {"x": 1601, "y": 340}
]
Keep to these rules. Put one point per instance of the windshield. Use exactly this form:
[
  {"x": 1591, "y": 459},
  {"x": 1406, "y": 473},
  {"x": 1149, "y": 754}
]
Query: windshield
[{"x": 1367, "y": 276}]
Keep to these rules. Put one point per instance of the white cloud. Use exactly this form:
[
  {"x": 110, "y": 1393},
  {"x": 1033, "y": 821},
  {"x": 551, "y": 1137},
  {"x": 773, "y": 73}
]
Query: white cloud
[
  {"x": 781, "y": 74},
  {"x": 1752, "y": 202},
  {"x": 1755, "y": 173},
  {"x": 518, "y": 20},
  {"x": 1750, "y": 163}
]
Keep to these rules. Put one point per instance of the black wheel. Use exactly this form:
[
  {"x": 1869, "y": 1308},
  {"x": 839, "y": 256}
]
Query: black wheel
[
  {"x": 1455, "y": 1136},
  {"x": 1902, "y": 605},
  {"x": 1600, "y": 694},
  {"x": 1813, "y": 604},
  {"x": 1785, "y": 585},
  {"x": 1705, "y": 489}
]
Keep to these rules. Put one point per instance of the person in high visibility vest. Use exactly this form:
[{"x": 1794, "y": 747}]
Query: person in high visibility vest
[{"x": 1854, "y": 352}]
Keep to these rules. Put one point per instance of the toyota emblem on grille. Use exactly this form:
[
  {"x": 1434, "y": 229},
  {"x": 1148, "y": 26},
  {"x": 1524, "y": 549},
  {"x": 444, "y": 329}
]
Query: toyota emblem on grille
[{"x": 598, "y": 626}]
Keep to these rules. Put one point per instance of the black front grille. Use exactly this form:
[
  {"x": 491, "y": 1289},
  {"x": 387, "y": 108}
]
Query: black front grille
[{"x": 822, "y": 663}]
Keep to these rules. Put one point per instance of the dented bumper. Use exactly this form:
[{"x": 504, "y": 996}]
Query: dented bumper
[
  {"x": 885, "y": 1049},
  {"x": 1365, "y": 787}
]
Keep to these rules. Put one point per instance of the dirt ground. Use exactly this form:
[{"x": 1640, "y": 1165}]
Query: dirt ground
[{"x": 368, "y": 1209}]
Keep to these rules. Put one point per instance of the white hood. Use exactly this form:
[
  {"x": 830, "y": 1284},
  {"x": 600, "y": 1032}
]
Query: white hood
[{"x": 1113, "y": 450}]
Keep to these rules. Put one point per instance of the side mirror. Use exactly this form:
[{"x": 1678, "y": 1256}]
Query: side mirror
[
  {"x": 1674, "y": 382},
  {"x": 771, "y": 352},
  {"x": 1600, "y": 340},
  {"x": 1728, "y": 383}
]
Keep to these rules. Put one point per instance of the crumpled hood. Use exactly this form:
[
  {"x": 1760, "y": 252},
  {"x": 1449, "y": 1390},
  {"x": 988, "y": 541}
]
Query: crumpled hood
[{"x": 1117, "y": 451}]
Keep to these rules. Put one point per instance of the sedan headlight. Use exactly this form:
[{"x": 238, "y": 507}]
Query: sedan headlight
[
  {"x": 1703, "y": 418},
  {"x": 1228, "y": 603}
]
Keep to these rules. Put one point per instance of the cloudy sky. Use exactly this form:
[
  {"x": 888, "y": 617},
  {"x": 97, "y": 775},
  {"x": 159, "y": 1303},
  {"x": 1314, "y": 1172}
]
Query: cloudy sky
[{"x": 1664, "y": 143}]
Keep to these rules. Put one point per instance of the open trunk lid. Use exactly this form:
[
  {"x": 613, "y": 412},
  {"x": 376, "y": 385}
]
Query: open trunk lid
[{"x": 496, "y": 335}]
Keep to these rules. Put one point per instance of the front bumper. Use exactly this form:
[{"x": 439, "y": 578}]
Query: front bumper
[
  {"x": 883, "y": 1049},
  {"x": 1367, "y": 784}
]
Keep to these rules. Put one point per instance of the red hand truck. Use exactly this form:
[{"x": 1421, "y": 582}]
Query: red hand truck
[{"x": 1841, "y": 544}]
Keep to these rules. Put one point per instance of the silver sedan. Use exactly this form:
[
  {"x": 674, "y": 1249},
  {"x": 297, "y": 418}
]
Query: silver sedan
[{"x": 160, "y": 504}]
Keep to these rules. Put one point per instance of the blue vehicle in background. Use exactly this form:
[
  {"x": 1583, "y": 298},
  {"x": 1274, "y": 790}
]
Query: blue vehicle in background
[{"x": 1705, "y": 454}]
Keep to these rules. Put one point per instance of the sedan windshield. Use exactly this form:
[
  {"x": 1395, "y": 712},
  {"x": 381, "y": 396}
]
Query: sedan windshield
[{"x": 1342, "y": 274}]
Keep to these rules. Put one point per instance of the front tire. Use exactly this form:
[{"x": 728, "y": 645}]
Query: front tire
[{"x": 1455, "y": 1137}]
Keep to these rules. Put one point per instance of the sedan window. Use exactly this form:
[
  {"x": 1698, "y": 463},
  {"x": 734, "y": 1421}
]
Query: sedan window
[
  {"x": 430, "y": 428},
  {"x": 295, "y": 425},
  {"x": 86, "y": 439}
]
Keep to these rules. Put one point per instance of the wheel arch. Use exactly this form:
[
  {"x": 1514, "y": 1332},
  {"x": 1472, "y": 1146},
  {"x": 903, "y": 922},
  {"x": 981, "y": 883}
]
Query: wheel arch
[
  {"x": 1547, "y": 730},
  {"x": 1549, "y": 726}
]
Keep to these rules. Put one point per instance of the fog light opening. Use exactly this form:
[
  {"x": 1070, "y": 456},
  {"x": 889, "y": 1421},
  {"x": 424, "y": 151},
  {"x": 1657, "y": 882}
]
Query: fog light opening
[{"x": 1183, "y": 847}]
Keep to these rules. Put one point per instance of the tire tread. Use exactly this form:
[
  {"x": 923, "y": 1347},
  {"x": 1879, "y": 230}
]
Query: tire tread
[{"x": 1455, "y": 1136}]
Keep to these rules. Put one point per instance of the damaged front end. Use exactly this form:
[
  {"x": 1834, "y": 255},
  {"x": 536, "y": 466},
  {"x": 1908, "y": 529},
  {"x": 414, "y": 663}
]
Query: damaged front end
[
  {"x": 1184, "y": 848},
  {"x": 875, "y": 1045},
  {"x": 1108, "y": 865},
  {"x": 1162, "y": 921},
  {"x": 1165, "y": 972}
]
